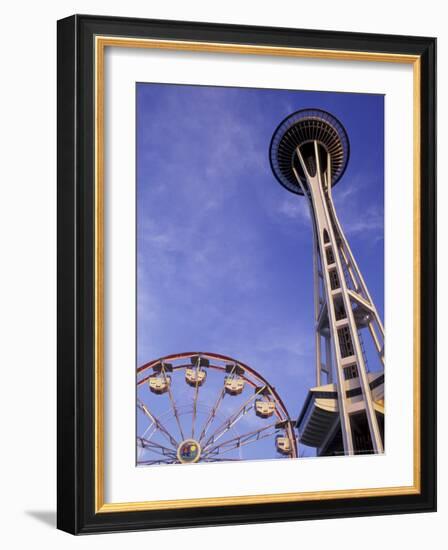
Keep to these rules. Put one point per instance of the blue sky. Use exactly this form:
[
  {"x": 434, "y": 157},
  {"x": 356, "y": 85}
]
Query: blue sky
[{"x": 224, "y": 253}]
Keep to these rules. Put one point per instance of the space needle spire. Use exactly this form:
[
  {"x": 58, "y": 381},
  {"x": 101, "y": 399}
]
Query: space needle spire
[{"x": 344, "y": 413}]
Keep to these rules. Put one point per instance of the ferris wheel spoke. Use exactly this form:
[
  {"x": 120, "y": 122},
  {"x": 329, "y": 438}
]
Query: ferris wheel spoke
[
  {"x": 233, "y": 419},
  {"x": 158, "y": 424},
  {"x": 148, "y": 433},
  {"x": 214, "y": 409},
  {"x": 212, "y": 414},
  {"x": 156, "y": 448},
  {"x": 211, "y": 457},
  {"x": 173, "y": 404},
  {"x": 195, "y": 400},
  {"x": 240, "y": 441}
]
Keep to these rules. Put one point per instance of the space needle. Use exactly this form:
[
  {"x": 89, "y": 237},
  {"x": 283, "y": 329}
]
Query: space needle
[{"x": 344, "y": 412}]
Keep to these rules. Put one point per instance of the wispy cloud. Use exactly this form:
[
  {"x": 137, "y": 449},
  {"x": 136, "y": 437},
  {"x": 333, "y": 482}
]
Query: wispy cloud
[
  {"x": 371, "y": 224},
  {"x": 360, "y": 216},
  {"x": 295, "y": 208}
]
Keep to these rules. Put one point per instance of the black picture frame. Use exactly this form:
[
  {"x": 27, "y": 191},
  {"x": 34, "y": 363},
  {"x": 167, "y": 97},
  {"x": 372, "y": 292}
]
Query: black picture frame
[{"x": 76, "y": 511}]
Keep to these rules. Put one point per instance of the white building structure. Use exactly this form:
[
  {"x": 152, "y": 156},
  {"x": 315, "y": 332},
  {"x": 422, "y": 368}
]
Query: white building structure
[{"x": 344, "y": 412}]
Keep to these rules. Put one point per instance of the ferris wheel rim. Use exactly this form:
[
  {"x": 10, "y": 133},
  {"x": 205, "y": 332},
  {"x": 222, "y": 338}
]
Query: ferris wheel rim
[{"x": 219, "y": 357}]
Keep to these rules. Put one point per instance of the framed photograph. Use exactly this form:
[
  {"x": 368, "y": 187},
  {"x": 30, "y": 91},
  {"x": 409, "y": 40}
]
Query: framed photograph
[{"x": 246, "y": 274}]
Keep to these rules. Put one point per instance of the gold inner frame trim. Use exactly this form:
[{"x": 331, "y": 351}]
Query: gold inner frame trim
[{"x": 101, "y": 42}]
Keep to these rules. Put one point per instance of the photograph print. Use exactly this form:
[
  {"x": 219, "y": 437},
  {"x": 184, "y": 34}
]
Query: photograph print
[{"x": 260, "y": 274}]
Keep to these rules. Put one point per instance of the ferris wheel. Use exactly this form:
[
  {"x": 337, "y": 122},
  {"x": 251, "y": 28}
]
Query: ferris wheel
[{"x": 205, "y": 407}]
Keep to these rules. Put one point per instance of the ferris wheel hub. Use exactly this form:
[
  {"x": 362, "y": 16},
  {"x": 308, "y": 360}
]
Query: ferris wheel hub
[{"x": 189, "y": 451}]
